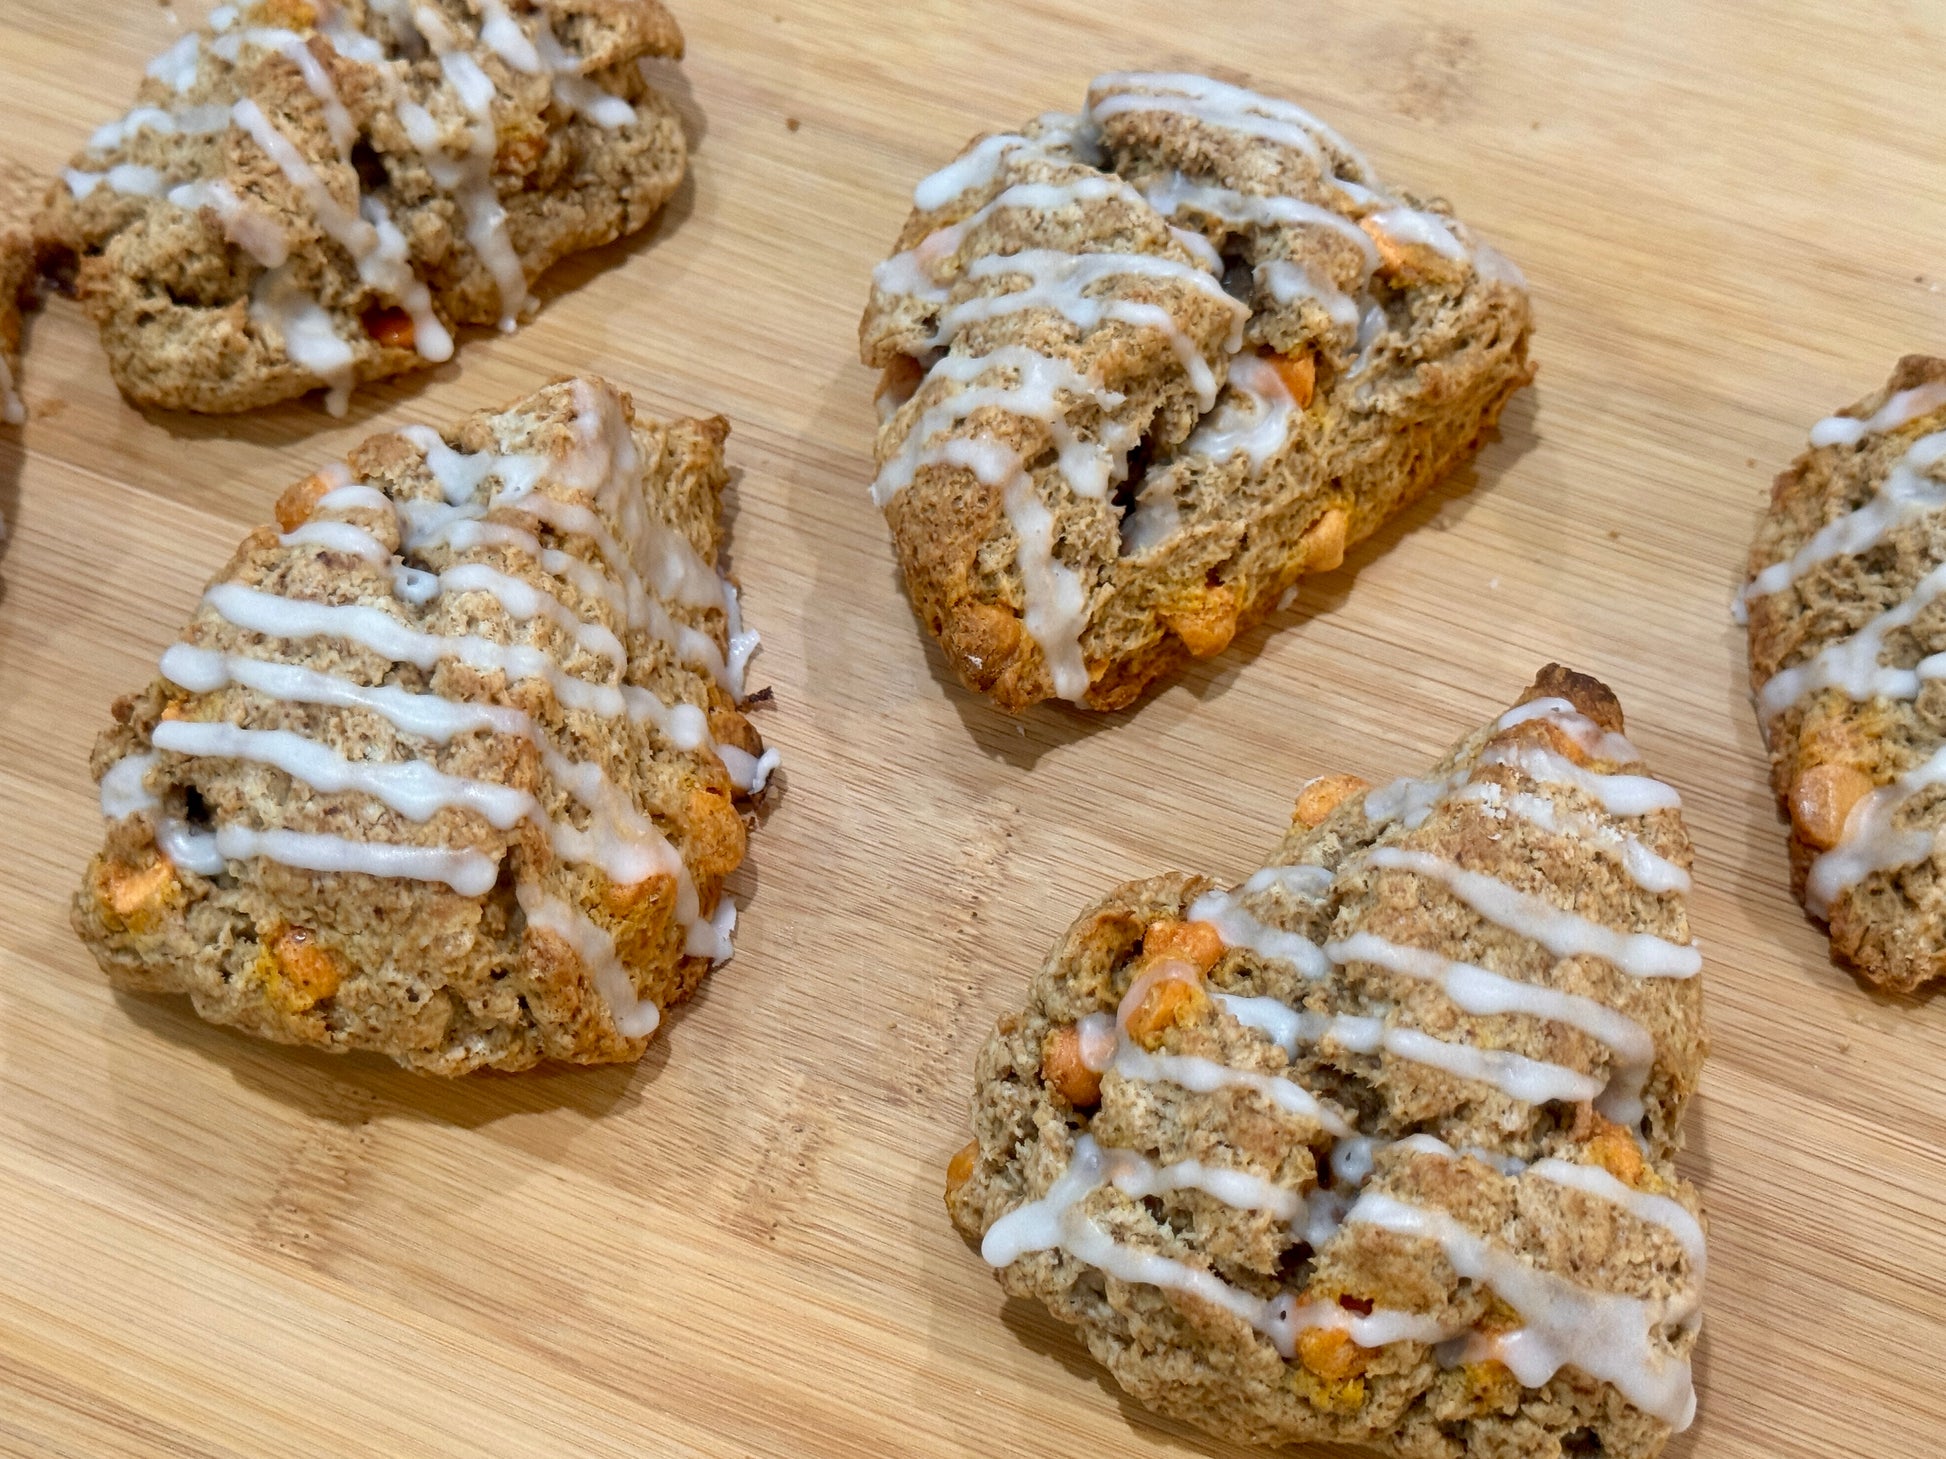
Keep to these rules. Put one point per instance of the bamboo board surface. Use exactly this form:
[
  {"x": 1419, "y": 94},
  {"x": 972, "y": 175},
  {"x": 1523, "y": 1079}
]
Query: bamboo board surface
[{"x": 1732, "y": 216}]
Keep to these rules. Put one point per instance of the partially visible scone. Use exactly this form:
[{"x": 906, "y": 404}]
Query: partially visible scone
[
  {"x": 1376, "y": 1148},
  {"x": 447, "y": 763},
  {"x": 317, "y": 192},
  {"x": 1847, "y": 616},
  {"x": 16, "y": 282},
  {"x": 1145, "y": 367}
]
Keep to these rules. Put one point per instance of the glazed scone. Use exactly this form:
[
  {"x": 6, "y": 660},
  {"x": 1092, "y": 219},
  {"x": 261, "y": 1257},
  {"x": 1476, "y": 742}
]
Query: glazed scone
[
  {"x": 447, "y": 763},
  {"x": 1847, "y": 653},
  {"x": 317, "y": 192},
  {"x": 1146, "y": 366},
  {"x": 1376, "y": 1148}
]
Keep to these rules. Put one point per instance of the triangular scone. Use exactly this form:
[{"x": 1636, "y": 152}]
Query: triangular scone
[
  {"x": 315, "y": 192},
  {"x": 1376, "y": 1148},
  {"x": 446, "y": 764},
  {"x": 1847, "y": 613},
  {"x": 1146, "y": 366}
]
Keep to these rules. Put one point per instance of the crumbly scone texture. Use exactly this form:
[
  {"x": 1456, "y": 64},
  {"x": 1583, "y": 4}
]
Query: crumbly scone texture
[
  {"x": 16, "y": 283},
  {"x": 473, "y": 146},
  {"x": 1091, "y": 484},
  {"x": 1852, "y": 715},
  {"x": 1182, "y": 1352},
  {"x": 444, "y": 981}
]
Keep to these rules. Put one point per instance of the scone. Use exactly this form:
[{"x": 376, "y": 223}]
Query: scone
[
  {"x": 1376, "y": 1147},
  {"x": 447, "y": 763},
  {"x": 1146, "y": 366},
  {"x": 16, "y": 282},
  {"x": 317, "y": 192},
  {"x": 1847, "y": 654}
]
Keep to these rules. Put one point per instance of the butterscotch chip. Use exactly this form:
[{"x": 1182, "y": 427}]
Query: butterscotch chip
[
  {"x": 1065, "y": 1071},
  {"x": 442, "y": 770},
  {"x": 959, "y": 1170},
  {"x": 1145, "y": 367},
  {"x": 1399, "y": 1162},
  {"x": 312, "y": 196},
  {"x": 1822, "y": 799},
  {"x": 1197, "y": 943},
  {"x": 1320, "y": 797},
  {"x": 1843, "y": 626}
]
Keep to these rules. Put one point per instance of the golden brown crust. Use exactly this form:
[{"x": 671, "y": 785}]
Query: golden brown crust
[
  {"x": 447, "y": 660},
  {"x": 1082, "y": 526},
  {"x": 1839, "y": 649},
  {"x": 1300, "y": 1217}
]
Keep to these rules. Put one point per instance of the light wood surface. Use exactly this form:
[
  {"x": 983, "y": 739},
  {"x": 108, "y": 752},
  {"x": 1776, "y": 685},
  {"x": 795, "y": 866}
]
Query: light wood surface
[{"x": 1732, "y": 215}]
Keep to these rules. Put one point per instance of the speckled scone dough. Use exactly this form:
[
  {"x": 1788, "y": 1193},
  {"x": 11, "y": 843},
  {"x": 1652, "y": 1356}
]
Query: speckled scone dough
[
  {"x": 447, "y": 763},
  {"x": 1847, "y": 617},
  {"x": 1145, "y": 367},
  {"x": 316, "y": 192},
  {"x": 1376, "y": 1148}
]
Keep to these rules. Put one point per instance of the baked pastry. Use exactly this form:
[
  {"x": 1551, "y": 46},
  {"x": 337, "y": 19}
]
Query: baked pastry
[
  {"x": 1145, "y": 367},
  {"x": 317, "y": 192},
  {"x": 1847, "y": 650},
  {"x": 446, "y": 764},
  {"x": 1376, "y": 1148},
  {"x": 16, "y": 280}
]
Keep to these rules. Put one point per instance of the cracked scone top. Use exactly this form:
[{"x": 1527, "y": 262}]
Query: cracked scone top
[
  {"x": 1847, "y": 616},
  {"x": 316, "y": 192},
  {"x": 1146, "y": 366},
  {"x": 1376, "y": 1147},
  {"x": 446, "y": 764}
]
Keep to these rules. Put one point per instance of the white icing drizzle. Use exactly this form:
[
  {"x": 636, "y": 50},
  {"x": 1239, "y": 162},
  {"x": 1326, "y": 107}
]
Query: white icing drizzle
[
  {"x": 309, "y": 334},
  {"x": 1597, "y": 742},
  {"x": 1177, "y": 194},
  {"x": 1483, "y": 993},
  {"x": 1900, "y": 409},
  {"x": 1066, "y": 137},
  {"x": 1563, "y": 933},
  {"x": 1606, "y": 1335},
  {"x": 254, "y": 231},
  {"x": 469, "y": 873},
  {"x": 1056, "y": 597},
  {"x": 469, "y": 177},
  {"x": 1619, "y": 795},
  {"x": 1231, "y": 108},
  {"x": 1646, "y": 868},
  {"x": 1531, "y": 1081},
  {"x": 176, "y": 67},
  {"x": 1852, "y": 665},
  {"x": 1240, "y": 927},
  {"x": 618, "y": 838},
  {"x": 914, "y": 271},
  {"x": 1254, "y": 418},
  {"x": 1089, "y": 467},
  {"x": 1416, "y": 226},
  {"x": 1058, "y": 281},
  {"x": 635, "y": 1017},
  {"x": 1650, "y": 1209},
  {"x": 122, "y": 790},
  {"x": 1907, "y": 494},
  {"x": 1287, "y": 282},
  {"x": 1871, "y": 842}
]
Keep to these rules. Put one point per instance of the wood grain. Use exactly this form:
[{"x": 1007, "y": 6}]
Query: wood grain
[{"x": 1731, "y": 214}]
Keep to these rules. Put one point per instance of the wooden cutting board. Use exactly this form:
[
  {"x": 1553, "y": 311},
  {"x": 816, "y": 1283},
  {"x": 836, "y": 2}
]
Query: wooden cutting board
[{"x": 1734, "y": 218}]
